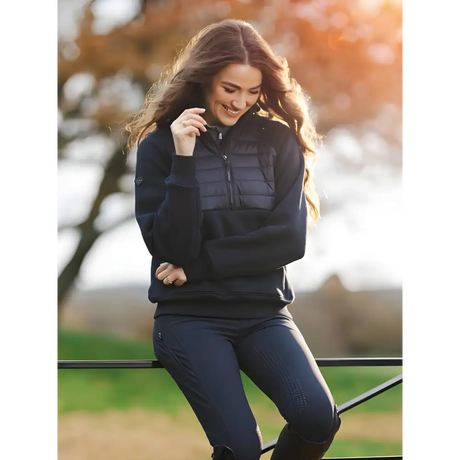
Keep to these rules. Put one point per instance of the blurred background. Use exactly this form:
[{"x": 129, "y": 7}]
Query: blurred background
[{"x": 347, "y": 55}]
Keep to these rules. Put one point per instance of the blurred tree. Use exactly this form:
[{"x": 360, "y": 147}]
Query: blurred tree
[{"x": 346, "y": 54}]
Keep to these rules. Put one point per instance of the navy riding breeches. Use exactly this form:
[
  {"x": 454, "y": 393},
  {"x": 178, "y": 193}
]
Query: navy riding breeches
[{"x": 205, "y": 355}]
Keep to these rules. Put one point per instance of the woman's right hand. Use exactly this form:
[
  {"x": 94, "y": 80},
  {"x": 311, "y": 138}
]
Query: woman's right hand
[{"x": 185, "y": 129}]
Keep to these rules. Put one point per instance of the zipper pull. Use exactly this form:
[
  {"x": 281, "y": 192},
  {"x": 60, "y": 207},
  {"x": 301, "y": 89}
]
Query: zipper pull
[
  {"x": 225, "y": 158},
  {"x": 220, "y": 135}
]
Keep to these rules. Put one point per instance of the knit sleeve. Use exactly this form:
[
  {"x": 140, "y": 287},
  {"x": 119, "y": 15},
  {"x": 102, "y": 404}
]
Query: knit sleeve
[{"x": 167, "y": 202}]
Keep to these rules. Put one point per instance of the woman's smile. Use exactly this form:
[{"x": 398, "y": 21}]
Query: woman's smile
[{"x": 231, "y": 113}]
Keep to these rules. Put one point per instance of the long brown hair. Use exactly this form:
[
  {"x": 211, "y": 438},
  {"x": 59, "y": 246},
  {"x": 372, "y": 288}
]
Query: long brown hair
[{"x": 182, "y": 85}]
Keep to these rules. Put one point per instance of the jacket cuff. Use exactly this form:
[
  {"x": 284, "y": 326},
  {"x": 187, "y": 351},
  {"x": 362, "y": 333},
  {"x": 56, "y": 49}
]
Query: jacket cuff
[{"x": 183, "y": 171}]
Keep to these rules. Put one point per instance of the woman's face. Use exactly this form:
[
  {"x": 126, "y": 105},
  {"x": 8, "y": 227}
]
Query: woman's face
[{"x": 233, "y": 91}]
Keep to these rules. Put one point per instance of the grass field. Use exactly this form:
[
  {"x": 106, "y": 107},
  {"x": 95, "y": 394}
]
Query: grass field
[{"x": 97, "y": 398}]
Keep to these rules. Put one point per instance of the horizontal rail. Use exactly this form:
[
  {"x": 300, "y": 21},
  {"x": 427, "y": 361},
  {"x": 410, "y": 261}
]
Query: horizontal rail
[{"x": 155, "y": 364}]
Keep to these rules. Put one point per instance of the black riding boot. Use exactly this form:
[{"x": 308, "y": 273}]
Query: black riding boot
[
  {"x": 291, "y": 446},
  {"x": 223, "y": 453}
]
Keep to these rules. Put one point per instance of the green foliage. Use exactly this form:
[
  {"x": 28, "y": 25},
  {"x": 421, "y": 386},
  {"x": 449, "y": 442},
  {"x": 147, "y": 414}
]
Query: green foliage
[
  {"x": 87, "y": 345},
  {"x": 105, "y": 389}
]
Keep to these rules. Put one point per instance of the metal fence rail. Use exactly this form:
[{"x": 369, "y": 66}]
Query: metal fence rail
[
  {"x": 321, "y": 362},
  {"x": 155, "y": 364}
]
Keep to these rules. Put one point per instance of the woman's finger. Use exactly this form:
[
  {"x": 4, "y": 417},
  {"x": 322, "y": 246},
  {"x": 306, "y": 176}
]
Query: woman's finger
[
  {"x": 161, "y": 276},
  {"x": 174, "y": 278},
  {"x": 168, "y": 281},
  {"x": 192, "y": 122},
  {"x": 191, "y": 116},
  {"x": 162, "y": 268},
  {"x": 194, "y": 110}
]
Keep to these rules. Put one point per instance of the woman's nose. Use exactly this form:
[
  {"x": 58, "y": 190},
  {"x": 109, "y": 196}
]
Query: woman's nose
[{"x": 239, "y": 103}]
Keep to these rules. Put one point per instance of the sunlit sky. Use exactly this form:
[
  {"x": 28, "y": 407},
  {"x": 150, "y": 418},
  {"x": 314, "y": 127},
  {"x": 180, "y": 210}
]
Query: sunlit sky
[{"x": 359, "y": 240}]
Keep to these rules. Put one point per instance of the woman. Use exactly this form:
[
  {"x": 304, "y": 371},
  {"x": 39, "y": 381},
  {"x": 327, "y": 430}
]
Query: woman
[{"x": 221, "y": 195}]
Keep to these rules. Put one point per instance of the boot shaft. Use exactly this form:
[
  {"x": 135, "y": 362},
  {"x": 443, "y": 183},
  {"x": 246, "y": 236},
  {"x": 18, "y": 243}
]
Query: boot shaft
[
  {"x": 291, "y": 445},
  {"x": 223, "y": 453}
]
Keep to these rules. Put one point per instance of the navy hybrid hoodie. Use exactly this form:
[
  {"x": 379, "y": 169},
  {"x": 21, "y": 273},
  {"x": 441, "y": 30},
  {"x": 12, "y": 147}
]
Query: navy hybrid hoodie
[{"x": 233, "y": 215}]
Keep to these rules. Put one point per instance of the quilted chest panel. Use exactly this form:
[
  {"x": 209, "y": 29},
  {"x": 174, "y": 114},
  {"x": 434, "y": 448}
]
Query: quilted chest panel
[{"x": 246, "y": 181}]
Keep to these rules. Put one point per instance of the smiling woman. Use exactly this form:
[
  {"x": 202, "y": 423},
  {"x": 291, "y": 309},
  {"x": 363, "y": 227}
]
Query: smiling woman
[
  {"x": 233, "y": 91},
  {"x": 222, "y": 197}
]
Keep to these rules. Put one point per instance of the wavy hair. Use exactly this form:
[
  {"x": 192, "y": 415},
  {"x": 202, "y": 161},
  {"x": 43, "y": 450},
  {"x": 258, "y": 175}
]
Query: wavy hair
[{"x": 182, "y": 85}]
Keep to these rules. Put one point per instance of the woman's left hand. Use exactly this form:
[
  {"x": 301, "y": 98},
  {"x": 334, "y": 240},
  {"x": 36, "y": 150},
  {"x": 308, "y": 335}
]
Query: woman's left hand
[{"x": 171, "y": 274}]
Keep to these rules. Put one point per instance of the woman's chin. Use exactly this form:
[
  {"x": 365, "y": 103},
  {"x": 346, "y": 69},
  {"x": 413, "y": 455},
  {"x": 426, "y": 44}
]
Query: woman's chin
[{"x": 228, "y": 121}]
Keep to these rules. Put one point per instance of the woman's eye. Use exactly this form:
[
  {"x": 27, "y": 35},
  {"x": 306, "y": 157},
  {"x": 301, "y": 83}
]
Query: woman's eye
[{"x": 232, "y": 91}]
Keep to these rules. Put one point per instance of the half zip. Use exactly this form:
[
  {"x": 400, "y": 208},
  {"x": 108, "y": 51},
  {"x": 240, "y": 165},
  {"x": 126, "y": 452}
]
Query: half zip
[
  {"x": 221, "y": 149},
  {"x": 229, "y": 177}
]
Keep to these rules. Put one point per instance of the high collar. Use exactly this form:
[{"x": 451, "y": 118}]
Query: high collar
[{"x": 207, "y": 139}]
